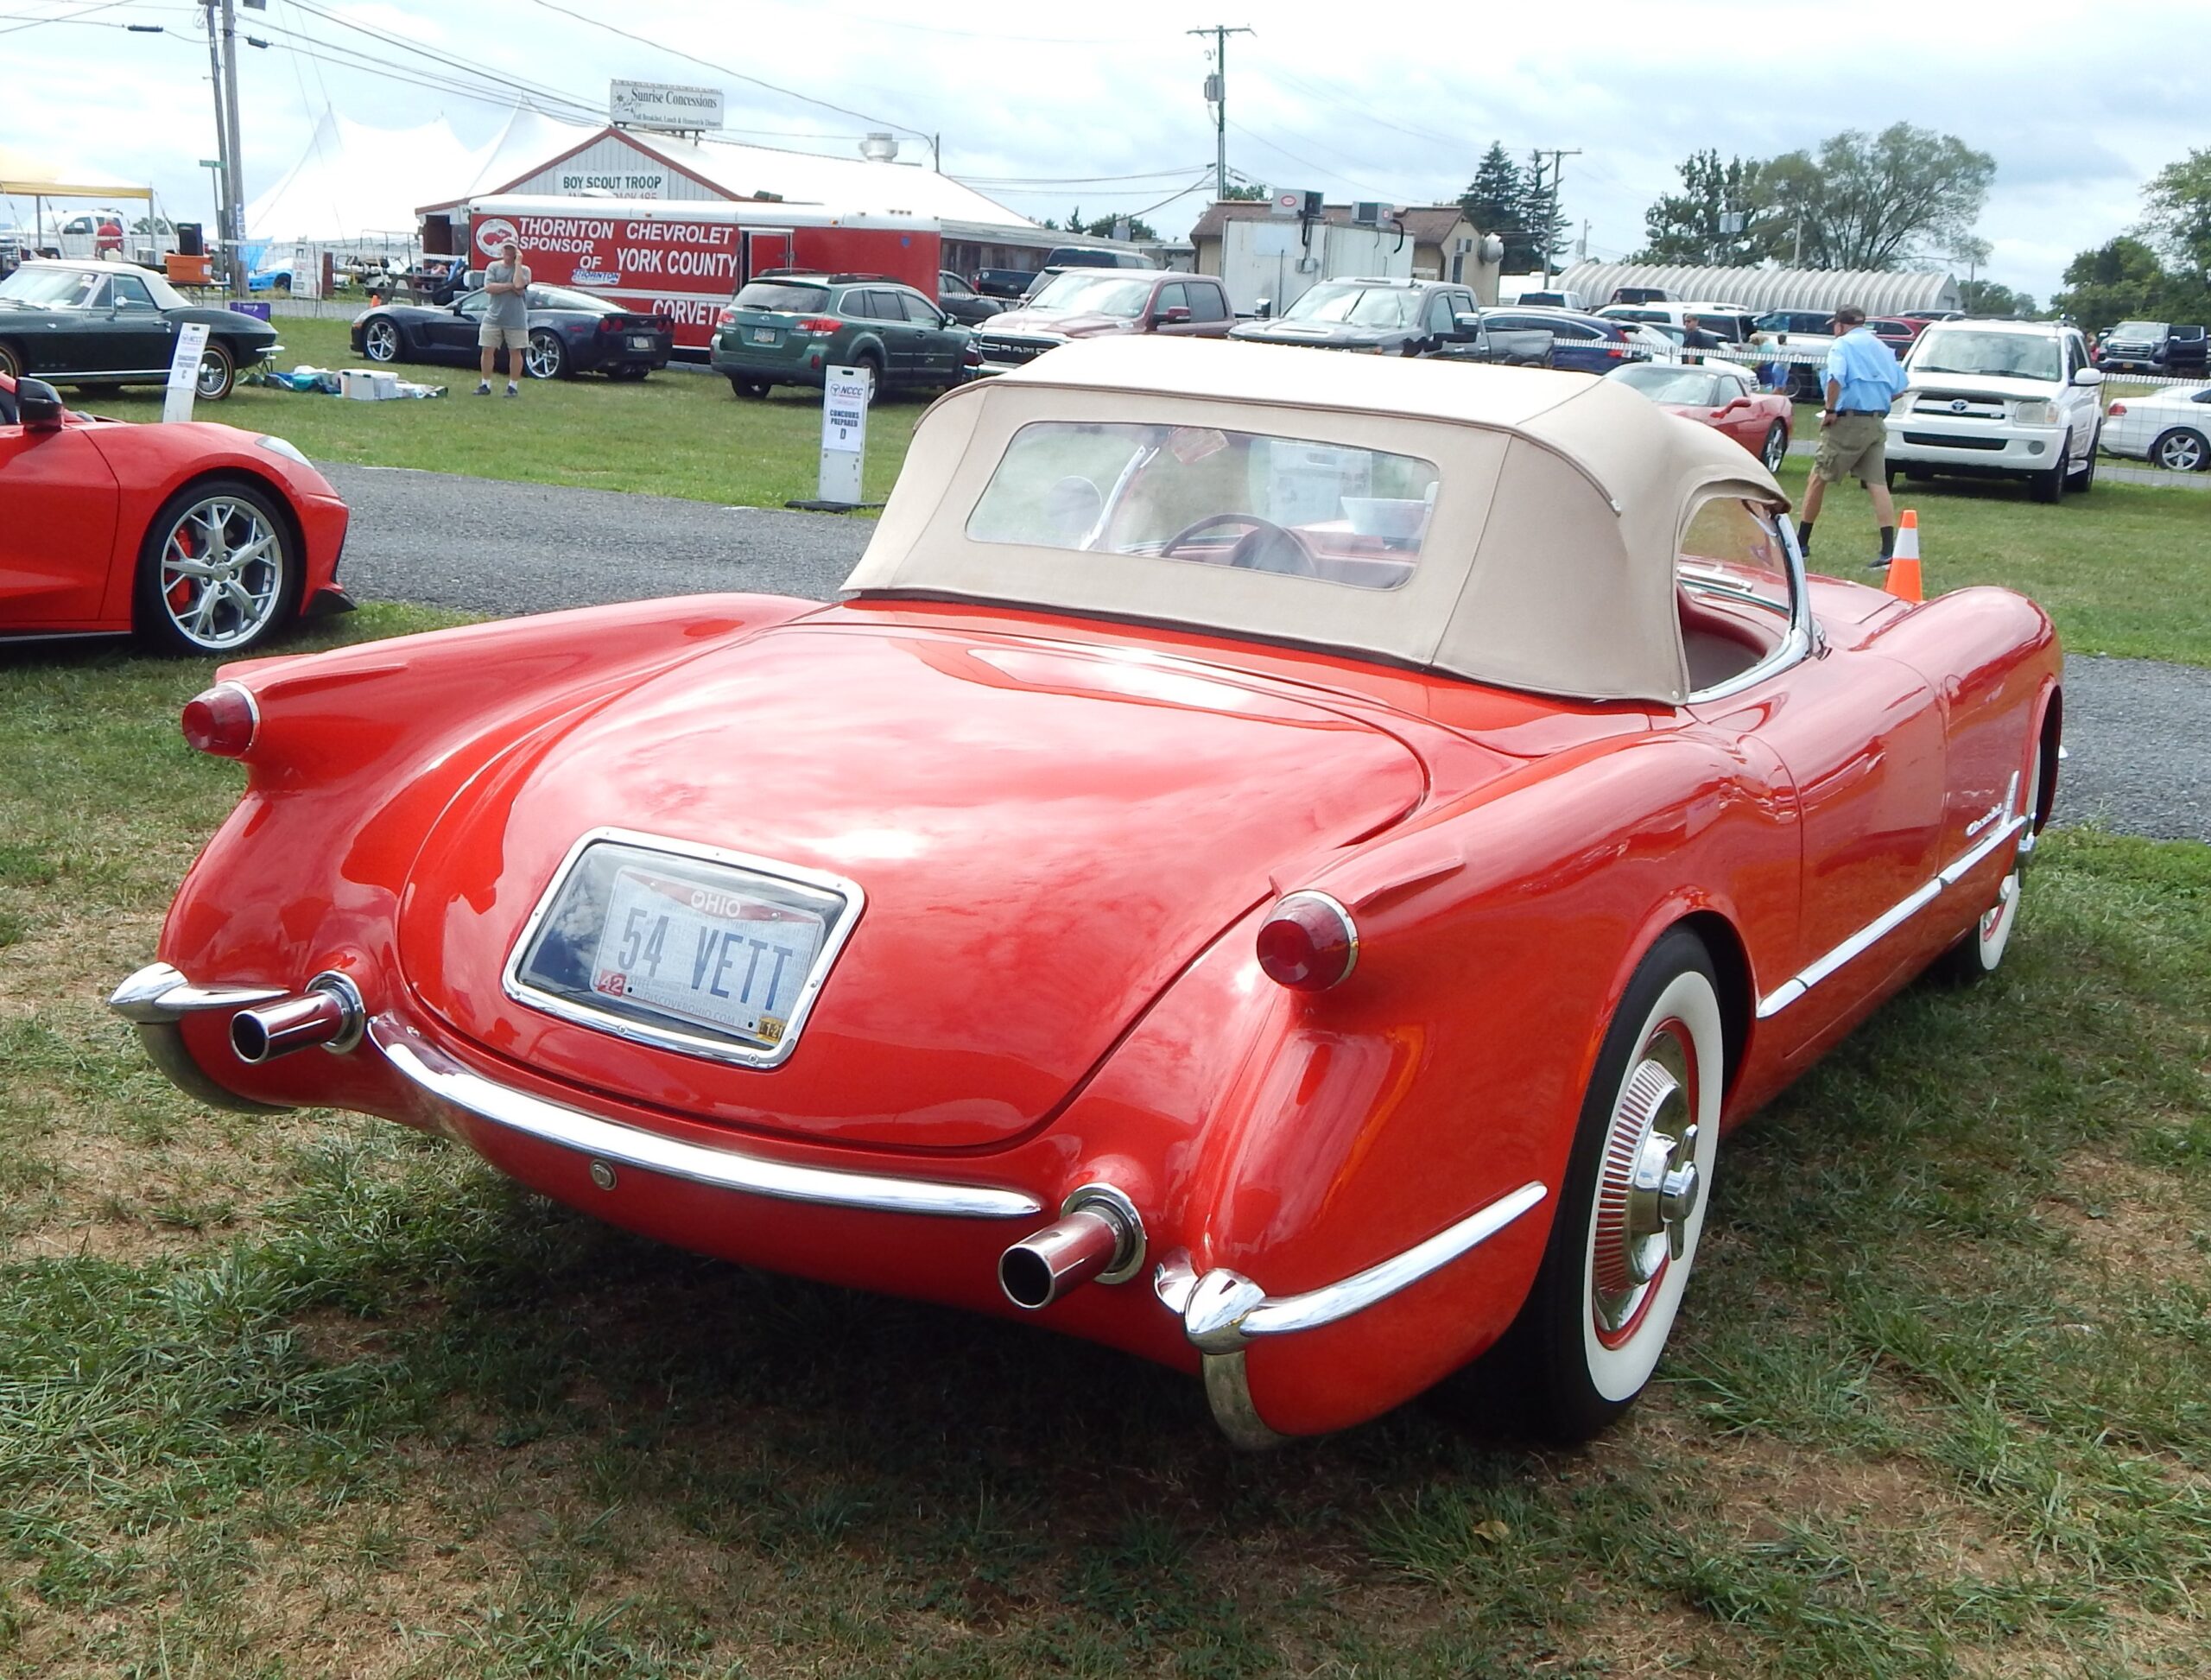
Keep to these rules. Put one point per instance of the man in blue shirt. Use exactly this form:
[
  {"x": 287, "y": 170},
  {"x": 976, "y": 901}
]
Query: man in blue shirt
[{"x": 1862, "y": 380}]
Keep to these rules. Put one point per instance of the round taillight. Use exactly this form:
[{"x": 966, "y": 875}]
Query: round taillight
[
  {"x": 222, "y": 720},
  {"x": 1308, "y": 942}
]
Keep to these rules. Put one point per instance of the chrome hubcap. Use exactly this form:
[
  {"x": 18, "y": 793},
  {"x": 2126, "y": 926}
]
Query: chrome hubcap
[
  {"x": 541, "y": 359},
  {"x": 2182, "y": 455},
  {"x": 1649, "y": 1187},
  {"x": 211, "y": 377},
  {"x": 222, "y": 571},
  {"x": 381, "y": 342}
]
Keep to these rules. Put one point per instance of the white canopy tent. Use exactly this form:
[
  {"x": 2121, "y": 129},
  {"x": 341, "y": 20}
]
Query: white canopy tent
[{"x": 354, "y": 183}]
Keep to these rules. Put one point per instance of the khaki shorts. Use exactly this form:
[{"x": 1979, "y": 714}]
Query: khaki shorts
[
  {"x": 1851, "y": 447},
  {"x": 488, "y": 337}
]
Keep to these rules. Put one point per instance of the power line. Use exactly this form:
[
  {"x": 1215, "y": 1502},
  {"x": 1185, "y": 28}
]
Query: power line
[
  {"x": 1217, "y": 96},
  {"x": 1307, "y": 162},
  {"x": 65, "y": 17}
]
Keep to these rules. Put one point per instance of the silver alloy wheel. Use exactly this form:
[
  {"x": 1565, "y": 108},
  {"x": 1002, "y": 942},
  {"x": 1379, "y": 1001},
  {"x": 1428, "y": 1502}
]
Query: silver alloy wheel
[
  {"x": 1777, "y": 446},
  {"x": 381, "y": 342},
  {"x": 545, "y": 356},
  {"x": 222, "y": 573},
  {"x": 2182, "y": 451}
]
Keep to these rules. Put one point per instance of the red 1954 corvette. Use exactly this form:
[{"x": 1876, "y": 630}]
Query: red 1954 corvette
[{"x": 1286, "y": 869}]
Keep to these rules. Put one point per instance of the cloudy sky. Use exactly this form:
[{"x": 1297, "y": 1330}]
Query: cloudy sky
[{"x": 1101, "y": 107}]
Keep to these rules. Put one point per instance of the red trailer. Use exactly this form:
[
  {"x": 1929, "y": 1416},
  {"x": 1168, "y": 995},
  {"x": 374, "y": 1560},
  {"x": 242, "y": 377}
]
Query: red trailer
[{"x": 685, "y": 260}]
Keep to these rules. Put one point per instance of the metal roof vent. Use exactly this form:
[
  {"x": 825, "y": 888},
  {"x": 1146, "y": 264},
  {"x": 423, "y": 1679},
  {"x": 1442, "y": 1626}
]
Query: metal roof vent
[{"x": 879, "y": 148}]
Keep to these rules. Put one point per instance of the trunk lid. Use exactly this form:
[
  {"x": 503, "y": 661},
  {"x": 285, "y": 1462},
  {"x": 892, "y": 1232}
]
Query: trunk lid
[{"x": 1044, "y": 835}]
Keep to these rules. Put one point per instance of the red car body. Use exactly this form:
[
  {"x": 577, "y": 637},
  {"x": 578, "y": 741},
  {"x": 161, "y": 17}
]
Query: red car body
[
  {"x": 1761, "y": 421},
  {"x": 77, "y": 501},
  {"x": 1075, "y": 836}
]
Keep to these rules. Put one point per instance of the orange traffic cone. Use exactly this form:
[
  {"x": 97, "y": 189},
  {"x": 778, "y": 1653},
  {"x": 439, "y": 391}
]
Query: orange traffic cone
[{"x": 1905, "y": 582}]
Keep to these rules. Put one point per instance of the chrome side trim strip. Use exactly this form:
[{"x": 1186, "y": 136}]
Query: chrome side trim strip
[
  {"x": 729, "y": 1169},
  {"x": 1890, "y": 920},
  {"x": 1223, "y": 1310}
]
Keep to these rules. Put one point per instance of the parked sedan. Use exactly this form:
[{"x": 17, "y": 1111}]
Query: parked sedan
[
  {"x": 200, "y": 538},
  {"x": 1285, "y": 866},
  {"x": 91, "y": 323},
  {"x": 570, "y": 332},
  {"x": 1722, "y": 396},
  {"x": 962, "y": 301},
  {"x": 1579, "y": 343},
  {"x": 791, "y": 329},
  {"x": 2169, "y": 427}
]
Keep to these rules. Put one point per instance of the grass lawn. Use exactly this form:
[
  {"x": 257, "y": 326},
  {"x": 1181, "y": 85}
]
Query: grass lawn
[
  {"x": 314, "y": 1395},
  {"x": 2126, "y": 570},
  {"x": 678, "y": 433}
]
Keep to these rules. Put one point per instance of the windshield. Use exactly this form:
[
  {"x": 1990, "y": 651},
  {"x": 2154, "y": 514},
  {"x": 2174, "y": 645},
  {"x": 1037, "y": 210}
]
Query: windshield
[
  {"x": 2138, "y": 329},
  {"x": 1690, "y": 387},
  {"x": 1355, "y": 305},
  {"x": 1995, "y": 355},
  {"x": 1103, "y": 293},
  {"x": 1213, "y": 497},
  {"x": 559, "y": 297},
  {"x": 63, "y": 288}
]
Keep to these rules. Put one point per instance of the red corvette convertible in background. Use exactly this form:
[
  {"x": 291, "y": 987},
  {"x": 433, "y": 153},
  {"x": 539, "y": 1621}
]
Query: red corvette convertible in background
[
  {"x": 200, "y": 538},
  {"x": 1287, "y": 873},
  {"x": 1720, "y": 395}
]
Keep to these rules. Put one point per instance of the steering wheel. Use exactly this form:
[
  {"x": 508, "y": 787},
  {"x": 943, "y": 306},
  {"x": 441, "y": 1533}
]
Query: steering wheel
[{"x": 1264, "y": 545}]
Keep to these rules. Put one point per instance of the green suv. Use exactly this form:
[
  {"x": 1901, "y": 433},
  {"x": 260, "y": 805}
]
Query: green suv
[{"x": 788, "y": 329}]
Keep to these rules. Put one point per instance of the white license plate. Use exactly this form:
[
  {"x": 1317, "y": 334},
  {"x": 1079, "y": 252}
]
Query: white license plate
[
  {"x": 640, "y": 341},
  {"x": 711, "y": 956},
  {"x": 764, "y": 335}
]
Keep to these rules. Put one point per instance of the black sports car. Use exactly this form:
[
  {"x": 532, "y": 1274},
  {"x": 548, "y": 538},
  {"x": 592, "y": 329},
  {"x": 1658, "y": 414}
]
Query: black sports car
[
  {"x": 570, "y": 332},
  {"x": 83, "y": 323}
]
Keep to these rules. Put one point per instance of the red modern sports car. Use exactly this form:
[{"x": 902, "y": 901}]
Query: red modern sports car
[
  {"x": 1289, "y": 872},
  {"x": 203, "y": 539},
  {"x": 1722, "y": 396}
]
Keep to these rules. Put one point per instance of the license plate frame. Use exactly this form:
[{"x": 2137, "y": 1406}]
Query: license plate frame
[
  {"x": 560, "y": 963},
  {"x": 640, "y": 341},
  {"x": 766, "y": 335}
]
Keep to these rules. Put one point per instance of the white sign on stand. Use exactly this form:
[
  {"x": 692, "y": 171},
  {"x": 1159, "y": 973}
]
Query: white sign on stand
[
  {"x": 845, "y": 398},
  {"x": 184, "y": 371}
]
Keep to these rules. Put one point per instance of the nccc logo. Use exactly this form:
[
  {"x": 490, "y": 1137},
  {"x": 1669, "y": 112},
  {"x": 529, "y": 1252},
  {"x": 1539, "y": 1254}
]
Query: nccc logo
[{"x": 492, "y": 233}]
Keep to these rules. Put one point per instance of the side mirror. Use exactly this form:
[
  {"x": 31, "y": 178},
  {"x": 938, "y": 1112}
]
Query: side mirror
[
  {"x": 1470, "y": 326},
  {"x": 1264, "y": 309},
  {"x": 2087, "y": 376},
  {"x": 1173, "y": 314},
  {"x": 38, "y": 406}
]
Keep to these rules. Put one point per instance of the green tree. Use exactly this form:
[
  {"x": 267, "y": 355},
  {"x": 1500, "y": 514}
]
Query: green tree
[
  {"x": 1986, "y": 297},
  {"x": 1685, "y": 227},
  {"x": 1495, "y": 202},
  {"x": 1247, "y": 190},
  {"x": 1102, "y": 228},
  {"x": 2178, "y": 198},
  {"x": 1871, "y": 201},
  {"x": 156, "y": 225},
  {"x": 2119, "y": 280},
  {"x": 1542, "y": 221}
]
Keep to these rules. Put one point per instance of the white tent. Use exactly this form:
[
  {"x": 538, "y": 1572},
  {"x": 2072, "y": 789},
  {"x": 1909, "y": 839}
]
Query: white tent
[{"x": 354, "y": 182}]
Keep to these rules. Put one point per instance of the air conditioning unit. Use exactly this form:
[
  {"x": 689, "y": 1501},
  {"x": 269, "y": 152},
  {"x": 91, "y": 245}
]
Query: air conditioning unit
[{"x": 1367, "y": 213}]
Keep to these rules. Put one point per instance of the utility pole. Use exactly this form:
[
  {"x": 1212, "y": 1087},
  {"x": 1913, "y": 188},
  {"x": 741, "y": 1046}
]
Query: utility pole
[
  {"x": 223, "y": 216},
  {"x": 1217, "y": 93},
  {"x": 1550, "y": 219},
  {"x": 237, "y": 228}
]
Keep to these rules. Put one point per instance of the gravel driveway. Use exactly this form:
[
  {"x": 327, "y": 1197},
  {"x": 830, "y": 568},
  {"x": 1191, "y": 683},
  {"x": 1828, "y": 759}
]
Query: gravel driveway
[{"x": 2138, "y": 732}]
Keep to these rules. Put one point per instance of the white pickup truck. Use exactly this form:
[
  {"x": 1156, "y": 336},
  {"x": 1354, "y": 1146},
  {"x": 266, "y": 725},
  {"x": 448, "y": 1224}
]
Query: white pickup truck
[{"x": 1999, "y": 399}]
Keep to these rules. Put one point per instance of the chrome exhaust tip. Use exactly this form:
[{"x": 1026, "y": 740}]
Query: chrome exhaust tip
[
  {"x": 330, "y": 1013},
  {"x": 1098, "y": 1236}
]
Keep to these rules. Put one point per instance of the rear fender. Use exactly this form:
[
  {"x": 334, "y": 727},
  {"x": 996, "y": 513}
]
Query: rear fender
[
  {"x": 357, "y": 751},
  {"x": 1449, "y": 1069}
]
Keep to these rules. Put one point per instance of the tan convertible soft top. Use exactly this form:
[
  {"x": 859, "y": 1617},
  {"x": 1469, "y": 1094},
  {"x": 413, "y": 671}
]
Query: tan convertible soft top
[{"x": 1549, "y": 563}]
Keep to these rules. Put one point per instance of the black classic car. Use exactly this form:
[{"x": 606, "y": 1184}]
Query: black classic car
[
  {"x": 570, "y": 332},
  {"x": 83, "y": 323}
]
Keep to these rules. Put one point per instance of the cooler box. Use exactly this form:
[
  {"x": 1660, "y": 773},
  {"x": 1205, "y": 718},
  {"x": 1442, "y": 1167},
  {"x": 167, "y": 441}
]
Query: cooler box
[{"x": 183, "y": 270}]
